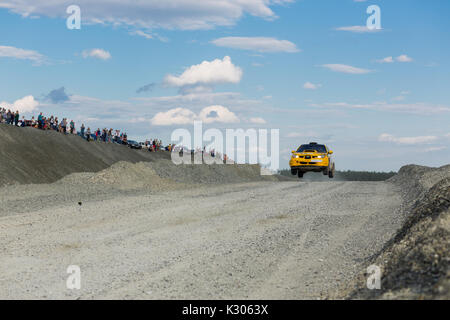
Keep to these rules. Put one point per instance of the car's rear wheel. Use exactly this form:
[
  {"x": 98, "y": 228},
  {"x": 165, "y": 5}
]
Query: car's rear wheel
[
  {"x": 325, "y": 172},
  {"x": 300, "y": 174}
]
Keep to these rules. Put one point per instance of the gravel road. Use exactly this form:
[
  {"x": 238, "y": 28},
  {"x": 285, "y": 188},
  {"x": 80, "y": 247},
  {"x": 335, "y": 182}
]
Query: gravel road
[{"x": 259, "y": 240}]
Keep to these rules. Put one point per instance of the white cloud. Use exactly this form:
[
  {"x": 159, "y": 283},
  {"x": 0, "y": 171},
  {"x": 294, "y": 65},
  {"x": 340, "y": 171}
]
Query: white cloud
[
  {"x": 311, "y": 86},
  {"x": 386, "y": 60},
  {"x": 259, "y": 44},
  {"x": 346, "y": 69},
  {"x": 404, "y": 58},
  {"x": 257, "y": 120},
  {"x": 193, "y": 99},
  {"x": 148, "y": 35},
  {"x": 174, "y": 116},
  {"x": 217, "y": 114},
  {"x": 385, "y": 137},
  {"x": 398, "y": 98},
  {"x": 142, "y": 34},
  {"x": 412, "y": 108},
  {"x": 358, "y": 29},
  {"x": 207, "y": 73},
  {"x": 401, "y": 58},
  {"x": 307, "y": 134},
  {"x": 22, "y": 54},
  {"x": 138, "y": 120},
  {"x": 196, "y": 90},
  {"x": 170, "y": 14},
  {"x": 181, "y": 116},
  {"x": 25, "y": 104},
  {"x": 433, "y": 149},
  {"x": 96, "y": 53}
]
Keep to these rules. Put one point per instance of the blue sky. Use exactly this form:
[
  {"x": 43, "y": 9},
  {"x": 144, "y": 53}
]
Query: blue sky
[{"x": 380, "y": 99}]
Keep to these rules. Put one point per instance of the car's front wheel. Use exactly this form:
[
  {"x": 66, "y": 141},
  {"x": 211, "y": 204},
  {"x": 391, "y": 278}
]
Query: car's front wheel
[
  {"x": 331, "y": 173},
  {"x": 293, "y": 172}
]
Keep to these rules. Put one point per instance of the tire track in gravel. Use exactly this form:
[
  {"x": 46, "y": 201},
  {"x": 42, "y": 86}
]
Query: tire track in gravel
[{"x": 254, "y": 240}]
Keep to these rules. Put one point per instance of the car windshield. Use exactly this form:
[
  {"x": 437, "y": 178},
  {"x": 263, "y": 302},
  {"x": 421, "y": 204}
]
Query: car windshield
[
  {"x": 132, "y": 142},
  {"x": 312, "y": 147}
]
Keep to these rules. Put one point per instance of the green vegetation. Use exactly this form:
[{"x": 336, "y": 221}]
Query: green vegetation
[{"x": 347, "y": 175}]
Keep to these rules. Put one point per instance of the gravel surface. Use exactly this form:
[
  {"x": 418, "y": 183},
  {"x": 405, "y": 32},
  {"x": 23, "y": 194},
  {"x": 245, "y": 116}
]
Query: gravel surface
[
  {"x": 268, "y": 240},
  {"x": 415, "y": 263}
]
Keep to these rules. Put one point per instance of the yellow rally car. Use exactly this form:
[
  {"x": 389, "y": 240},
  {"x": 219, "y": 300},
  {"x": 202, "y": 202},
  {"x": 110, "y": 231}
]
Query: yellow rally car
[{"x": 312, "y": 157}]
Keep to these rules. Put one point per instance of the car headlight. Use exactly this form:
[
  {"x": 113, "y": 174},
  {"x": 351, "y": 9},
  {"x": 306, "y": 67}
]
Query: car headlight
[{"x": 322, "y": 156}]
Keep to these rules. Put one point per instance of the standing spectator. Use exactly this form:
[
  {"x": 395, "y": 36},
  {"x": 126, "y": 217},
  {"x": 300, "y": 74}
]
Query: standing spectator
[
  {"x": 64, "y": 125},
  {"x": 82, "y": 130},
  {"x": 88, "y": 134},
  {"x": 40, "y": 118},
  {"x": 8, "y": 117},
  {"x": 72, "y": 127},
  {"x": 56, "y": 124},
  {"x": 16, "y": 118}
]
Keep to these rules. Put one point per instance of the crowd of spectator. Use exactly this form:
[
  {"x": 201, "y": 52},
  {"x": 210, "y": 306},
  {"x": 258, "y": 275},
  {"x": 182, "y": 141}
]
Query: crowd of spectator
[
  {"x": 64, "y": 126},
  {"x": 105, "y": 135}
]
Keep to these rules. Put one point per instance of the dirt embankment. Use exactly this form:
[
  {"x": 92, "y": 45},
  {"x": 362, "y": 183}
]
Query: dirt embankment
[
  {"x": 416, "y": 262},
  {"x": 29, "y": 155}
]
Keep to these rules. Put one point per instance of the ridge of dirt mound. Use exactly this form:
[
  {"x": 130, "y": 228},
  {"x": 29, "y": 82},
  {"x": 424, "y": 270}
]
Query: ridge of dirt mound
[
  {"x": 123, "y": 175},
  {"x": 416, "y": 180},
  {"x": 164, "y": 175},
  {"x": 32, "y": 156},
  {"x": 29, "y": 155},
  {"x": 416, "y": 262},
  {"x": 210, "y": 174}
]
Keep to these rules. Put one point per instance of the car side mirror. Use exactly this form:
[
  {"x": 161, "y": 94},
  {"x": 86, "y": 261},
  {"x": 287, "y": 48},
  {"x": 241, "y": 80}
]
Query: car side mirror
[
  {"x": 330, "y": 152},
  {"x": 293, "y": 151}
]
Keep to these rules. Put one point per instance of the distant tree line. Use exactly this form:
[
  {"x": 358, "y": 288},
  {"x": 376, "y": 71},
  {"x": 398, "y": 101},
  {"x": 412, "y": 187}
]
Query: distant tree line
[{"x": 345, "y": 175}]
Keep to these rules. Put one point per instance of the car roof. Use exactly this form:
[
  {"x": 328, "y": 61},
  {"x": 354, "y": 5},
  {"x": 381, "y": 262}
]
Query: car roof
[{"x": 313, "y": 144}]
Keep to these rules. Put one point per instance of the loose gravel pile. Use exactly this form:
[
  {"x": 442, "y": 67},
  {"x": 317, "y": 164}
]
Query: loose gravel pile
[
  {"x": 416, "y": 262},
  {"x": 123, "y": 176},
  {"x": 209, "y": 174},
  {"x": 163, "y": 175}
]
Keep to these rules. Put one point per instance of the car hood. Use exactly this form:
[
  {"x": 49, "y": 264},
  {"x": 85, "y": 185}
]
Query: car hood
[{"x": 308, "y": 154}]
